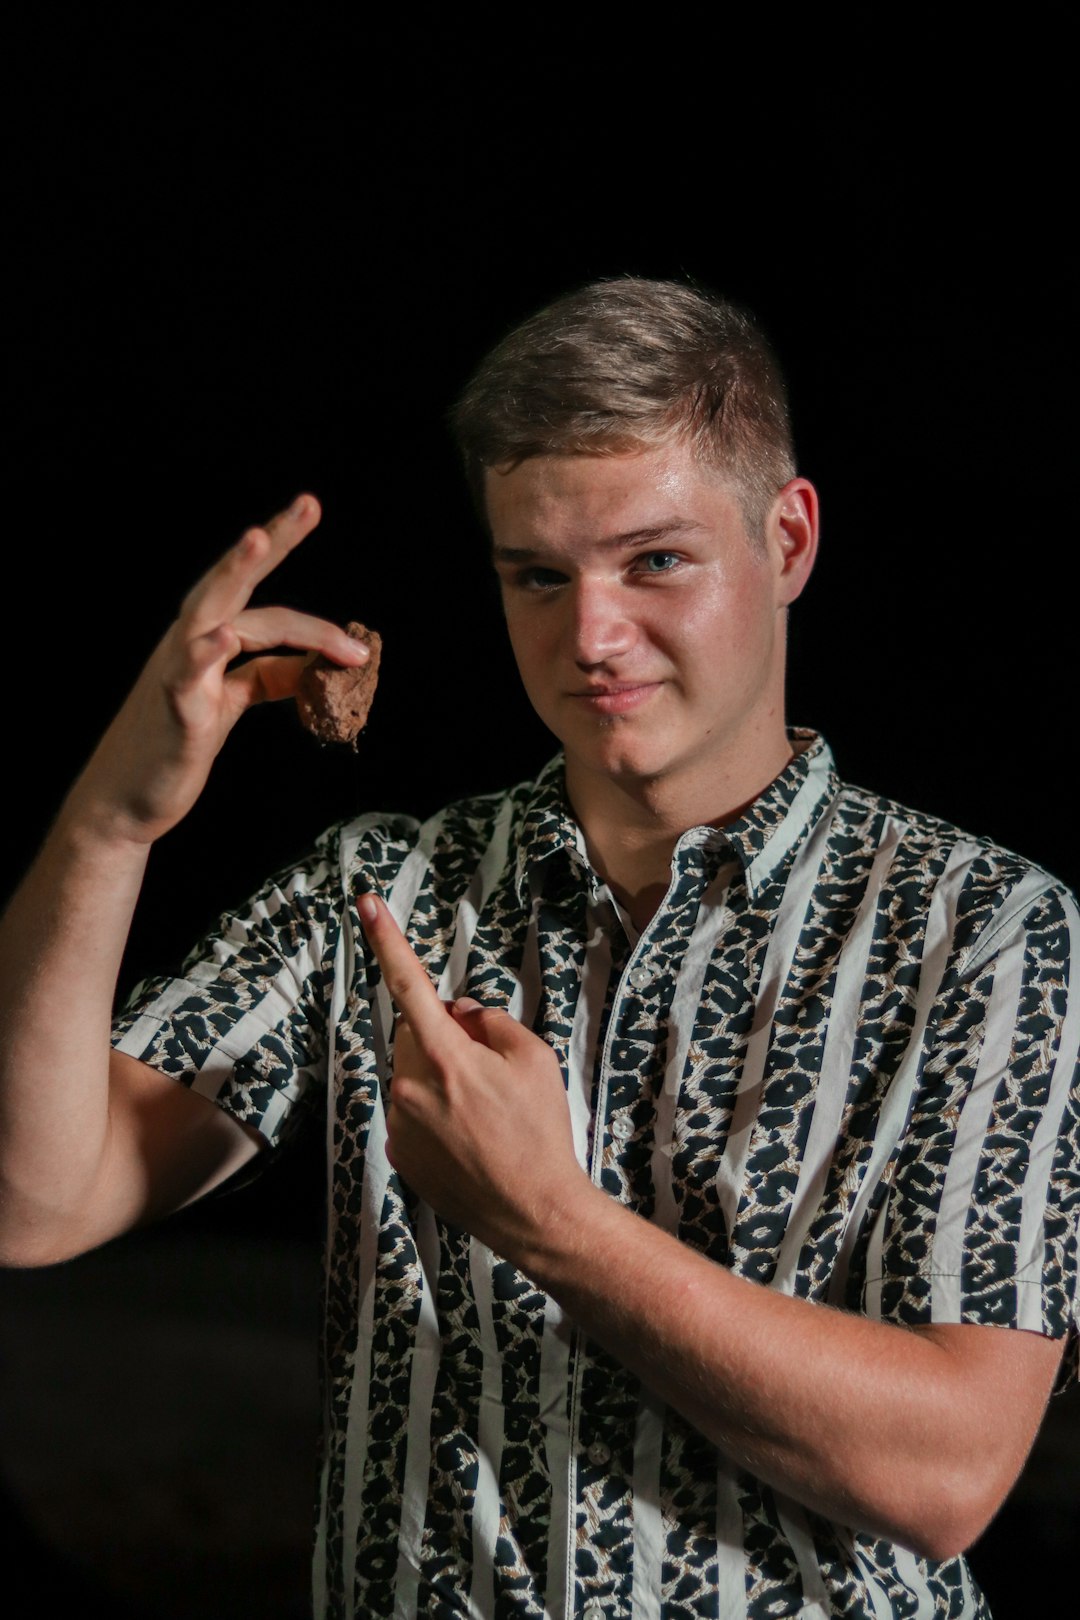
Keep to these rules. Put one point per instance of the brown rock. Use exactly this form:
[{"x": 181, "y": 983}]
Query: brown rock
[{"x": 333, "y": 701}]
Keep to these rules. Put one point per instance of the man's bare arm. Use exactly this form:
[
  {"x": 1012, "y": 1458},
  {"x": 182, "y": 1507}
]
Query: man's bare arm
[
  {"x": 91, "y": 1142},
  {"x": 913, "y": 1434}
]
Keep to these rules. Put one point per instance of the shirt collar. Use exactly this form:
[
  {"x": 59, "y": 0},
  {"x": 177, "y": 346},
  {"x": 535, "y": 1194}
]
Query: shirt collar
[
  {"x": 769, "y": 829},
  {"x": 549, "y": 833},
  {"x": 760, "y": 839}
]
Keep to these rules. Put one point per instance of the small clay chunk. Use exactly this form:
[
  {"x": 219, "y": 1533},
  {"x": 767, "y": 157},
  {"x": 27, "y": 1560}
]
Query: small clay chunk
[{"x": 334, "y": 701}]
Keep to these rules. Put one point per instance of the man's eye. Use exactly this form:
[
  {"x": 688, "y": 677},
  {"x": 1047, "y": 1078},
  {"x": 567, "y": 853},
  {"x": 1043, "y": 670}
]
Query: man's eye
[
  {"x": 541, "y": 579},
  {"x": 659, "y": 562}
]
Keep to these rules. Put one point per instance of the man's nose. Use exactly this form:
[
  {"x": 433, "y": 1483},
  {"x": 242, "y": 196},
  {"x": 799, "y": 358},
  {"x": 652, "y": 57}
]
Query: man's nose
[{"x": 601, "y": 628}]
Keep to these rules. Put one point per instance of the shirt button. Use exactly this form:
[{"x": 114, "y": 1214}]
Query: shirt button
[
  {"x": 622, "y": 1126},
  {"x": 598, "y": 1454},
  {"x": 639, "y": 977}
]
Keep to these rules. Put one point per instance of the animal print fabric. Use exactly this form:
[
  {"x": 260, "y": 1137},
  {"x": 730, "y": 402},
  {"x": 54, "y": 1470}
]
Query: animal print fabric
[{"x": 841, "y": 1061}]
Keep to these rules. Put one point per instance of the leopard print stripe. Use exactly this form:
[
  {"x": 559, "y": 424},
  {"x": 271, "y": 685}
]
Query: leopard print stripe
[
  {"x": 364, "y": 1194},
  {"x": 1019, "y": 1084},
  {"x": 688, "y": 1508},
  {"x": 398, "y": 1403},
  {"x": 797, "y": 1080},
  {"x": 520, "y": 1556},
  {"x": 634, "y": 1066},
  {"x": 470, "y": 1362}
]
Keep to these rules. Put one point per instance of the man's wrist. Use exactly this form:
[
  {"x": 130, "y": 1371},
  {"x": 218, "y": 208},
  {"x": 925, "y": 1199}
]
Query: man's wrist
[
  {"x": 567, "y": 1231},
  {"x": 88, "y": 830}
]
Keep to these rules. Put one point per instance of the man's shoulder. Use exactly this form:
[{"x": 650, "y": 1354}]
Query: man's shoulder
[
  {"x": 986, "y": 884},
  {"x": 462, "y": 828},
  {"x": 859, "y": 806}
]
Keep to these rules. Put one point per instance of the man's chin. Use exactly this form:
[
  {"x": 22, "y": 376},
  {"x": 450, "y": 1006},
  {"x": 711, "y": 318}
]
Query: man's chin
[{"x": 625, "y": 761}]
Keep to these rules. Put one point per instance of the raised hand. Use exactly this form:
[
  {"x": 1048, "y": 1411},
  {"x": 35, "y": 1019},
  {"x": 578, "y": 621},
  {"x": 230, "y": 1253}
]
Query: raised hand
[
  {"x": 478, "y": 1124},
  {"x": 153, "y": 762}
]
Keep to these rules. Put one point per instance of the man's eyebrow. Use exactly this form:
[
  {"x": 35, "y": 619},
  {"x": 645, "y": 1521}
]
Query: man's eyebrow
[{"x": 628, "y": 539}]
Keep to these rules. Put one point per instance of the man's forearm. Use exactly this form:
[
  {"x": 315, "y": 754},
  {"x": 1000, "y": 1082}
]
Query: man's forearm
[
  {"x": 61, "y": 942},
  {"x": 89, "y": 1145},
  {"x": 874, "y": 1426}
]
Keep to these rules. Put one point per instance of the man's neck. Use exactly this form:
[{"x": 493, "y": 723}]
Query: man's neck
[{"x": 631, "y": 827}]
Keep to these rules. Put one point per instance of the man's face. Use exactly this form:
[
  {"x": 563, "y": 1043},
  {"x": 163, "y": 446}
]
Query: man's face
[{"x": 648, "y": 628}]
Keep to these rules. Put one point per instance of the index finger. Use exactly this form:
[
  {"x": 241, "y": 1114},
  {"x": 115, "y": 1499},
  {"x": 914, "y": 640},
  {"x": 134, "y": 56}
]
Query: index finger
[
  {"x": 416, "y": 997},
  {"x": 225, "y": 589}
]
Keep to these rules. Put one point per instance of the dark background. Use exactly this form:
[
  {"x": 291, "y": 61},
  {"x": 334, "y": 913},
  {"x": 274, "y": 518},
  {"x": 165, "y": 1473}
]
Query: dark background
[{"x": 251, "y": 262}]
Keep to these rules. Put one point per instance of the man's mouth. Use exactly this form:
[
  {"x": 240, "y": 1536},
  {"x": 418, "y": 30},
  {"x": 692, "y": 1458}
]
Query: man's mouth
[{"x": 615, "y": 697}]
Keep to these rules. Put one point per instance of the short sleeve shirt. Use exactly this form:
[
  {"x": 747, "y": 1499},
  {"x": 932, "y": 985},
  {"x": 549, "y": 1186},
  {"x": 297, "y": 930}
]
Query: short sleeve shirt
[{"x": 841, "y": 1061}]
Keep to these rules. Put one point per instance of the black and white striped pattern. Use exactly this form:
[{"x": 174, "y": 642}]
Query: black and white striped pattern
[{"x": 841, "y": 1061}]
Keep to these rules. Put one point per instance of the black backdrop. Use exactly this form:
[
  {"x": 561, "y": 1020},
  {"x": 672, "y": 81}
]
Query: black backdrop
[{"x": 250, "y": 263}]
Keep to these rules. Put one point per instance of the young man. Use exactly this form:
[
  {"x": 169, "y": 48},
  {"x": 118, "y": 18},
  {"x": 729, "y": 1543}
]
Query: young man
[{"x": 703, "y": 1235}]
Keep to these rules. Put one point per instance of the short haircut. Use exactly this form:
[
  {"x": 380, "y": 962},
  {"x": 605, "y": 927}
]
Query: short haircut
[{"x": 627, "y": 364}]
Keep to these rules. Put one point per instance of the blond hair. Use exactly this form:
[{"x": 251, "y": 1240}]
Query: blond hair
[{"x": 627, "y": 364}]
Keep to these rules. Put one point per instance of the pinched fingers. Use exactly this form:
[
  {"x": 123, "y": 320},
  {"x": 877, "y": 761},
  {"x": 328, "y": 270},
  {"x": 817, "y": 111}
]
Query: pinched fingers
[
  {"x": 216, "y": 625},
  {"x": 183, "y": 664},
  {"x": 263, "y": 680},
  {"x": 266, "y": 680},
  {"x": 259, "y": 629}
]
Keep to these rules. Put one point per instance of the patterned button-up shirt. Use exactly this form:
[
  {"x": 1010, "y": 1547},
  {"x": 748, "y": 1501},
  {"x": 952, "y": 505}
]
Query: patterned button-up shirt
[{"x": 840, "y": 1060}]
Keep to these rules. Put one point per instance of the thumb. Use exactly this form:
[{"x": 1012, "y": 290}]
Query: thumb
[{"x": 491, "y": 1026}]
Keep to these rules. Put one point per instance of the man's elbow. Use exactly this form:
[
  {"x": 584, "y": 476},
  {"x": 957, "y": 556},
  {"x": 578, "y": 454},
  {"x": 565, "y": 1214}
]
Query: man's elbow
[
  {"x": 954, "y": 1514},
  {"x": 978, "y": 1439},
  {"x": 37, "y": 1232},
  {"x": 22, "y": 1254},
  {"x": 32, "y": 1245}
]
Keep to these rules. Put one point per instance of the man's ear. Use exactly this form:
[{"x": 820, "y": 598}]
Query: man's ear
[{"x": 792, "y": 536}]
